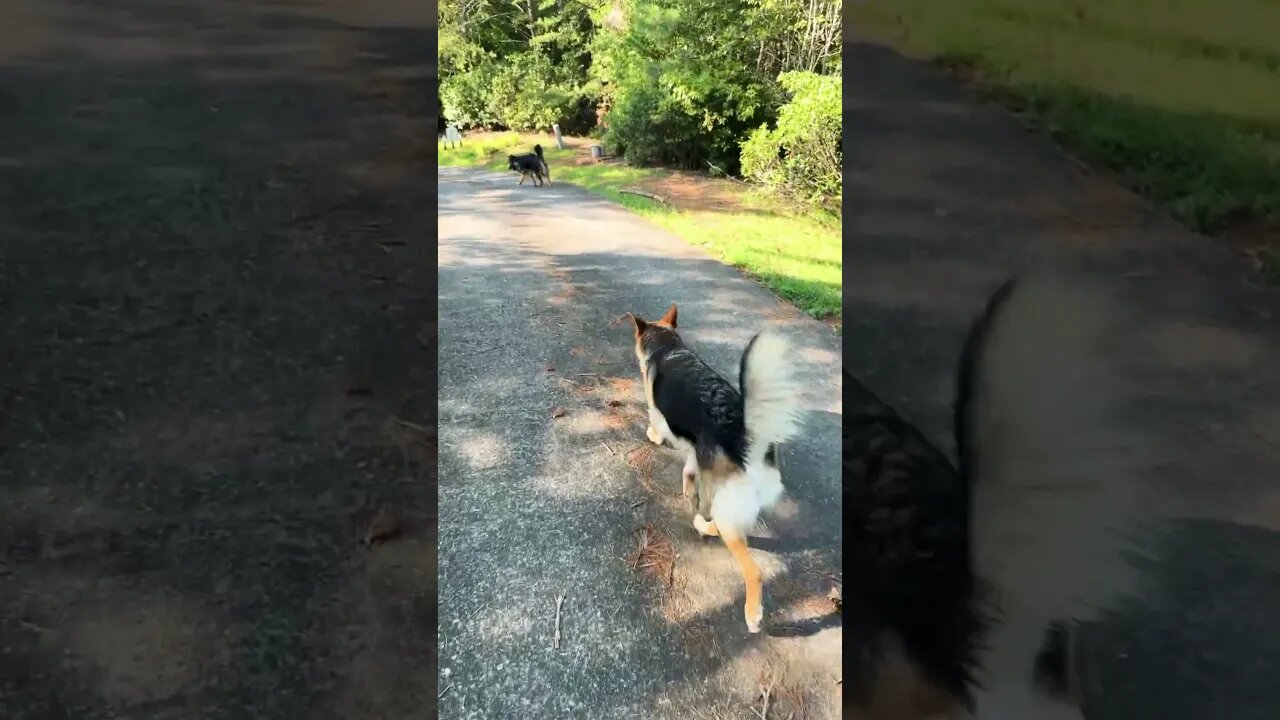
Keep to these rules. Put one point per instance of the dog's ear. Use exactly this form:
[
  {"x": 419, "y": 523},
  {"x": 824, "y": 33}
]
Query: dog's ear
[
  {"x": 670, "y": 317},
  {"x": 639, "y": 322}
]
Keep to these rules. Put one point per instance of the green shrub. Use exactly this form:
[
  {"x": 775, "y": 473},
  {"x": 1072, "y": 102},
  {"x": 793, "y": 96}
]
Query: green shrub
[
  {"x": 528, "y": 94},
  {"x": 681, "y": 81},
  {"x": 464, "y": 97},
  {"x": 801, "y": 156},
  {"x": 523, "y": 92},
  {"x": 648, "y": 128}
]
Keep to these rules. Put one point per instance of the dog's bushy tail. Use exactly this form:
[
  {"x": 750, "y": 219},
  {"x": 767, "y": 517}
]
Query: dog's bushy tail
[
  {"x": 770, "y": 395},
  {"x": 1051, "y": 471},
  {"x": 546, "y": 169}
]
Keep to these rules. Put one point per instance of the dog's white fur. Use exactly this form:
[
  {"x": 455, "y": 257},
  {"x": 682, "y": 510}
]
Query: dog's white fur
[
  {"x": 772, "y": 415},
  {"x": 1054, "y": 483}
]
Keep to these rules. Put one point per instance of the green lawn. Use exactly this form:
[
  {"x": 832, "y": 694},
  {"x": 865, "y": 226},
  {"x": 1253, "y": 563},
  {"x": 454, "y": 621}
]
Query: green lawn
[
  {"x": 797, "y": 255},
  {"x": 1180, "y": 98}
]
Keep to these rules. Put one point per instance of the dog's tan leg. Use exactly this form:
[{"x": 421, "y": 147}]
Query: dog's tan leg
[
  {"x": 521, "y": 179},
  {"x": 752, "y": 609}
]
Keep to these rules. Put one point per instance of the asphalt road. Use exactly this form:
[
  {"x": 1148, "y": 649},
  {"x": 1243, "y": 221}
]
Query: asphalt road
[
  {"x": 216, "y": 317},
  {"x": 946, "y": 197},
  {"x": 540, "y": 407}
]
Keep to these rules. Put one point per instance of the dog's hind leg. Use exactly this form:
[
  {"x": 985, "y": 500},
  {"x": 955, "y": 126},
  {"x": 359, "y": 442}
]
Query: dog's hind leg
[
  {"x": 752, "y": 610},
  {"x": 689, "y": 475}
]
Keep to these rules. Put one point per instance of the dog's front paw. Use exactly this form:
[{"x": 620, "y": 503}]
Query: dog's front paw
[
  {"x": 654, "y": 437},
  {"x": 754, "y": 617},
  {"x": 687, "y": 483}
]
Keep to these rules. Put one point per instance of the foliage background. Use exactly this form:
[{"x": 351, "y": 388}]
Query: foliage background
[{"x": 731, "y": 86}]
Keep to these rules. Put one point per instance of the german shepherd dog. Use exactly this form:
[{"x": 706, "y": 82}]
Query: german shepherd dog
[
  {"x": 530, "y": 164},
  {"x": 729, "y": 436},
  {"x": 968, "y": 581}
]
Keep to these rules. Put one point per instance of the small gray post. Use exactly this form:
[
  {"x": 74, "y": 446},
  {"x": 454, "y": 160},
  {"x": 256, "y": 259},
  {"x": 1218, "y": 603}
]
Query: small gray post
[
  {"x": 452, "y": 136},
  {"x": 559, "y": 140}
]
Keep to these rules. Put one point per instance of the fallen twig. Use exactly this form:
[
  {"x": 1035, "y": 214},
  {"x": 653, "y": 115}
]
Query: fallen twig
[
  {"x": 413, "y": 426},
  {"x": 607, "y": 447},
  {"x": 555, "y": 641},
  {"x": 651, "y": 196},
  {"x": 564, "y": 379},
  {"x": 724, "y": 174},
  {"x": 446, "y": 689}
]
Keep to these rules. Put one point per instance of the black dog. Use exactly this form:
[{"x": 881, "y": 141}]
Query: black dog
[{"x": 530, "y": 164}]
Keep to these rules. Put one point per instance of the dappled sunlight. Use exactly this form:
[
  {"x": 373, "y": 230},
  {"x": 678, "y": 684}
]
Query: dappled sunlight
[
  {"x": 819, "y": 355},
  {"x": 481, "y": 450},
  {"x": 594, "y": 422},
  {"x": 578, "y": 465},
  {"x": 146, "y": 644},
  {"x": 707, "y": 577},
  {"x": 505, "y": 624}
]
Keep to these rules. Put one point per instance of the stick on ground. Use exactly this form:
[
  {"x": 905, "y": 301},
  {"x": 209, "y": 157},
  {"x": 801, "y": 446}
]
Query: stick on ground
[
  {"x": 764, "y": 711},
  {"x": 642, "y": 194},
  {"x": 555, "y": 641}
]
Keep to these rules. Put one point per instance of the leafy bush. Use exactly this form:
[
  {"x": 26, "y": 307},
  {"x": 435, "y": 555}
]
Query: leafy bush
[
  {"x": 681, "y": 82},
  {"x": 801, "y": 156},
  {"x": 684, "y": 83},
  {"x": 464, "y": 97},
  {"x": 527, "y": 94},
  {"x": 524, "y": 92},
  {"x": 520, "y": 65},
  {"x": 649, "y": 128}
]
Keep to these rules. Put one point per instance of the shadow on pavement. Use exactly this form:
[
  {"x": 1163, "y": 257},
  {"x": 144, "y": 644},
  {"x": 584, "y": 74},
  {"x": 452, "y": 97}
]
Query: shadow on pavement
[
  {"x": 215, "y": 312},
  {"x": 544, "y": 498}
]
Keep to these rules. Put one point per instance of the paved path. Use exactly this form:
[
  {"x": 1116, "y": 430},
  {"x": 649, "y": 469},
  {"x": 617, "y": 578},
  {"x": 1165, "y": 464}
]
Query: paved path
[
  {"x": 946, "y": 197},
  {"x": 216, "y": 305},
  {"x": 539, "y": 406}
]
